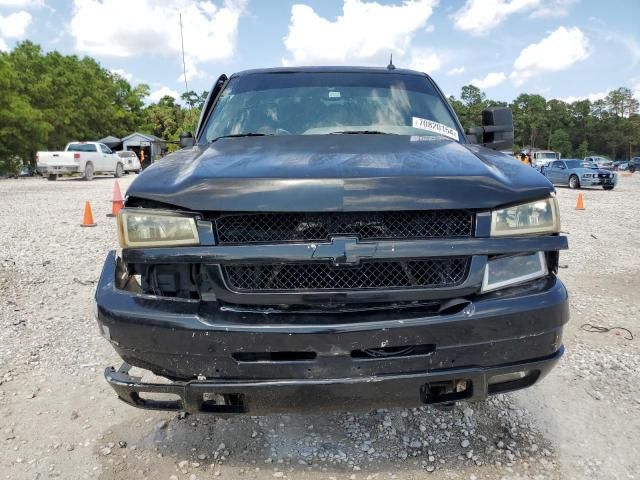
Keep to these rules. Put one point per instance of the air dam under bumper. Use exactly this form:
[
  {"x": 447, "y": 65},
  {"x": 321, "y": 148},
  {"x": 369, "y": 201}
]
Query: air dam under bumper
[
  {"x": 285, "y": 396},
  {"x": 198, "y": 348}
]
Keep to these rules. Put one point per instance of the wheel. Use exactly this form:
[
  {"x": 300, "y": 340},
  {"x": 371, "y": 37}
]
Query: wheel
[
  {"x": 608, "y": 187},
  {"x": 632, "y": 169},
  {"x": 574, "y": 182},
  {"x": 119, "y": 171},
  {"x": 52, "y": 177},
  {"x": 136, "y": 171},
  {"x": 88, "y": 172}
]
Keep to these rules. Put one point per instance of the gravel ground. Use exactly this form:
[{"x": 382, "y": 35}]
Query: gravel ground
[{"x": 60, "y": 419}]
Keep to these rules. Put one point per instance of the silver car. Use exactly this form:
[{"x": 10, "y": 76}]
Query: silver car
[
  {"x": 579, "y": 173},
  {"x": 600, "y": 162}
]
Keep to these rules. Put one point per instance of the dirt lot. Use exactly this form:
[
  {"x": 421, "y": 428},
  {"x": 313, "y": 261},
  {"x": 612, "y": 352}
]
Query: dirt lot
[{"x": 58, "y": 418}]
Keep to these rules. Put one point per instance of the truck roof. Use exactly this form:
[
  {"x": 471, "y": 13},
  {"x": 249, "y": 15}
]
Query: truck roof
[{"x": 329, "y": 69}]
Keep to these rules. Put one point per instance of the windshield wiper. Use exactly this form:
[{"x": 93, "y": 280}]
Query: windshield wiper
[
  {"x": 238, "y": 135},
  {"x": 359, "y": 132}
]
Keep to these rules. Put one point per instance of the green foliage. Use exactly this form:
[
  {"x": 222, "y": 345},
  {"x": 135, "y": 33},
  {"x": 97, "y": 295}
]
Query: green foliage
[
  {"x": 582, "y": 150},
  {"x": 610, "y": 126},
  {"x": 49, "y": 99},
  {"x": 22, "y": 127},
  {"x": 559, "y": 142}
]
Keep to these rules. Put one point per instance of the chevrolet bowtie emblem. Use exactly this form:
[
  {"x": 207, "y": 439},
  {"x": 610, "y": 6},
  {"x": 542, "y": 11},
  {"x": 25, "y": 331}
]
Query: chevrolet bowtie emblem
[{"x": 345, "y": 251}]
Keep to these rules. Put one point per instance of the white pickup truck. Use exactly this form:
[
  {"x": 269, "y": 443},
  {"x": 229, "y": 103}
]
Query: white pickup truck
[{"x": 84, "y": 158}]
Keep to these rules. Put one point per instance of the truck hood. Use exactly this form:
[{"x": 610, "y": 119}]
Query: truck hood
[{"x": 338, "y": 173}]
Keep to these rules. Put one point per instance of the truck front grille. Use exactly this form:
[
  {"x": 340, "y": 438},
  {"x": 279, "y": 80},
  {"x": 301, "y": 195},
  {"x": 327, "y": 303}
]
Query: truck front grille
[
  {"x": 384, "y": 274},
  {"x": 314, "y": 227}
]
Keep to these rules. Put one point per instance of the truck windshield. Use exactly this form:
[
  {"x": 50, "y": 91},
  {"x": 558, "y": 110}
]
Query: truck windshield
[
  {"x": 546, "y": 156},
  {"x": 312, "y": 103}
]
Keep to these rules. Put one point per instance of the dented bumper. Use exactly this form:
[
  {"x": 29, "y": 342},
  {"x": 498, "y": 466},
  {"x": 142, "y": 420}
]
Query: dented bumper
[{"x": 228, "y": 362}]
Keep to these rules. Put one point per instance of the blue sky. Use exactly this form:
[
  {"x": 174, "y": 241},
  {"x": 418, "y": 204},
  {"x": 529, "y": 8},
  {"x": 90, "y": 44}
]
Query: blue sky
[{"x": 566, "y": 49}]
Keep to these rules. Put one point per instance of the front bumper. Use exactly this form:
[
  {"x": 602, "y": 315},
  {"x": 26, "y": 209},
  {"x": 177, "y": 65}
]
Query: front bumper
[
  {"x": 212, "y": 353},
  {"x": 594, "y": 182},
  {"x": 354, "y": 393},
  {"x": 57, "y": 169}
]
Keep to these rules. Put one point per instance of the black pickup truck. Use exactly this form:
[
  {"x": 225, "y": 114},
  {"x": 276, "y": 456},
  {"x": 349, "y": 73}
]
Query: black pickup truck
[{"x": 330, "y": 238}]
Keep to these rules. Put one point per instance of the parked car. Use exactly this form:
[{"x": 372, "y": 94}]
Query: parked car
[
  {"x": 329, "y": 238},
  {"x": 27, "y": 171},
  {"x": 600, "y": 162},
  {"x": 83, "y": 158},
  {"x": 634, "y": 164},
  {"x": 621, "y": 165},
  {"x": 579, "y": 173},
  {"x": 130, "y": 160}
]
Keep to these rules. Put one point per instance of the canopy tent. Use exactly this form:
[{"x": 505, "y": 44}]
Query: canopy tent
[{"x": 111, "y": 142}]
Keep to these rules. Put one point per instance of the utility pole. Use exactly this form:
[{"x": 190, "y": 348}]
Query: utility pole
[{"x": 184, "y": 65}]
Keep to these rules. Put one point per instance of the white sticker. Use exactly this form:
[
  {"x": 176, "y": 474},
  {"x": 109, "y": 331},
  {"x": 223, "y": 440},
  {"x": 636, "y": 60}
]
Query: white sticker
[
  {"x": 334, "y": 94},
  {"x": 424, "y": 124}
]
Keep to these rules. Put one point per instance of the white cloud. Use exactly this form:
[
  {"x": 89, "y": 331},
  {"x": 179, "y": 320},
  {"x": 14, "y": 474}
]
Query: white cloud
[
  {"x": 156, "y": 95},
  {"x": 21, "y": 3},
  {"x": 123, "y": 73},
  {"x": 456, "y": 71},
  {"x": 590, "y": 96},
  {"x": 491, "y": 80},
  {"x": 366, "y": 32},
  {"x": 15, "y": 24},
  {"x": 209, "y": 31},
  {"x": 558, "y": 51},
  {"x": 425, "y": 61},
  {"x": 480, "y": 16},
  {"x": 553, "y": 9},
  {"x": 3, "y": 45}
]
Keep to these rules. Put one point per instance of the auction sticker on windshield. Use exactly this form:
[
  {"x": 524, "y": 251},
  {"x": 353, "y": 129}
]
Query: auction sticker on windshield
[{"x": 430, "y": 125}]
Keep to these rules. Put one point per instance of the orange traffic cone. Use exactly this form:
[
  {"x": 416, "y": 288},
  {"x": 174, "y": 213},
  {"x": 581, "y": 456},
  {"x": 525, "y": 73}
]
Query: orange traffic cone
[
  {"x": 580, "y": 202},
  {"x": 87, "y": 220},
  {"x": 117, "y": 203}
]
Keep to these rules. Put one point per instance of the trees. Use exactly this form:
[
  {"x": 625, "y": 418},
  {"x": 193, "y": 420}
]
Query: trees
[
  {"x": 22, "y": 127},
  {"x": 609, "y": 126},
  {"x": 49, "y": 99}
]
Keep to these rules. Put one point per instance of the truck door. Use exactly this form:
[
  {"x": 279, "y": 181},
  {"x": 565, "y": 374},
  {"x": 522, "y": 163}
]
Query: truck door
[
  {"x": 107, "y": 162},
  {"x": 89, "y": 153}
]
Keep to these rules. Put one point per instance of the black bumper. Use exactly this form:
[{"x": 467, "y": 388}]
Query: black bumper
[{"x": 188, "y": 341}]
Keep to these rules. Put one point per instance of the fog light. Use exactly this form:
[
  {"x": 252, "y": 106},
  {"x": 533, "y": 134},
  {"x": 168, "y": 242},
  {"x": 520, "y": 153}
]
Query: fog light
[
  {"x": 507, "y": 377},
  {"x": 504, "y": 271}
]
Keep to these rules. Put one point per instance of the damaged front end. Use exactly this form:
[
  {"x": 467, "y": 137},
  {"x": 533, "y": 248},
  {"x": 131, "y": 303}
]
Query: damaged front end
[{"x": 315, "y": 318}]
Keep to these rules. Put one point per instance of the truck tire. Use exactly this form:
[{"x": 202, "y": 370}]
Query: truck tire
[
  {"x": 119, "y": 171},
  {"x": 632, "y": 169},
  {"x": 88, "y": 172},
  {"x": 574, "y": 182},
  {"x": 608, "y": 187},
  {"x": 52, "y": 177}
]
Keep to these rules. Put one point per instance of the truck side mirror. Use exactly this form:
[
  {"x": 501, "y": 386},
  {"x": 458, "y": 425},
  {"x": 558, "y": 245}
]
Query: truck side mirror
[
  {"x": 497, "y": 129},
  {"x": 186, "y": 140}
]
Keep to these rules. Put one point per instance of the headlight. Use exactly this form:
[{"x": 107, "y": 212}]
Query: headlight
[
  {"x": 504, "y": 271},
  {"x": 140, "y": 228},
  {"x": 528, "y": 218},
  {"x": 586, "y": 175}
]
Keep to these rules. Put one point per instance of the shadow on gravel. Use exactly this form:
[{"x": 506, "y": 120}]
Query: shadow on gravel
[{"x": 401, "y": 442}]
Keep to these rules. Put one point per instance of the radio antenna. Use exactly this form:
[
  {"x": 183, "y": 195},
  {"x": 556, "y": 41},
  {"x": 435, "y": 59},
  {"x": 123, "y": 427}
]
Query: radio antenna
[
  {"x": 184, "y": 65},
  {"x": 391, "y": 66}
]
